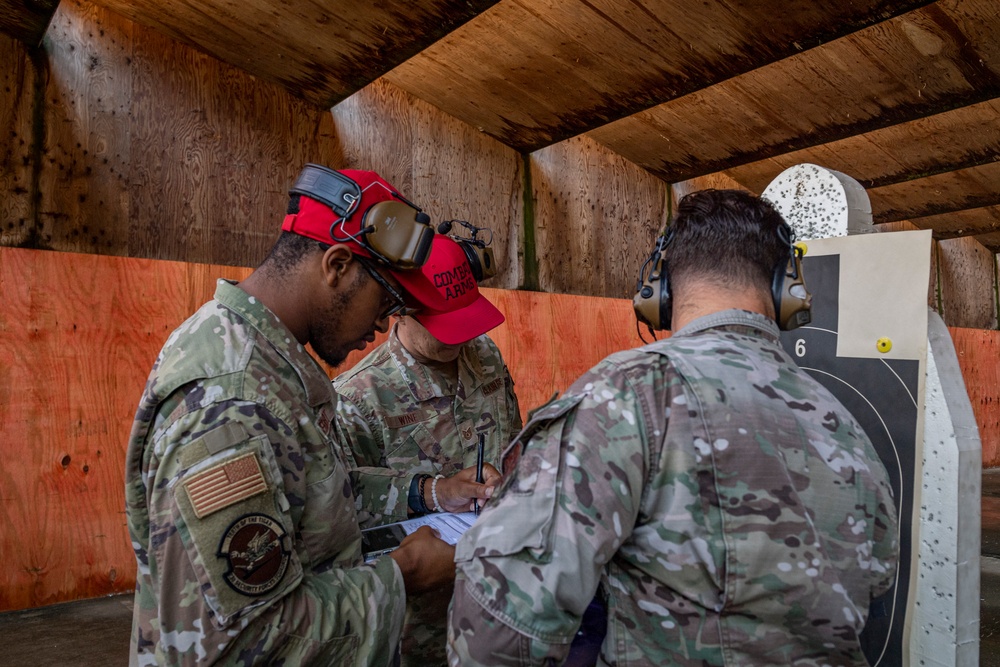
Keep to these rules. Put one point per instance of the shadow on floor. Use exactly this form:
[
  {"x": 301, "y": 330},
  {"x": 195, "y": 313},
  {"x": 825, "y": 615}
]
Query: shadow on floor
[{"x": 96, "y": 632}]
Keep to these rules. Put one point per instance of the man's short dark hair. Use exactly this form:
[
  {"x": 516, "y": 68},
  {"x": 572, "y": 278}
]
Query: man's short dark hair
[
  {"x": 729, "y": 236},
  {"x": 289, "y": 250}
]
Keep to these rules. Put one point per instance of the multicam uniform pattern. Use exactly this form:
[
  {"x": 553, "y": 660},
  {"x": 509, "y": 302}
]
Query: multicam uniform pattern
[
  {"x": 240, "y": 512},
  {"x": 398, "y": 417},
  {"x": 730, "y": 508}
]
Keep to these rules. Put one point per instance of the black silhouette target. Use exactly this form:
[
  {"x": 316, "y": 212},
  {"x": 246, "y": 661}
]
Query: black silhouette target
[{"x": 882, "y": 396}]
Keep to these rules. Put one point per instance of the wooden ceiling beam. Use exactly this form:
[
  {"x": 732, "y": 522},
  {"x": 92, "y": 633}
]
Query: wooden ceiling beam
[
  {"x": 960, "y": 190},
  {"x": 930, "y": 61},
  {"x": 532, "y": 74},
  {"x": 973, "y": 222},
  {"x": 27, "y": 20},
  {"x": 990, "y": 241},
  {"x": 320, "y": 51},
  {"x": 959, "y": 139}
]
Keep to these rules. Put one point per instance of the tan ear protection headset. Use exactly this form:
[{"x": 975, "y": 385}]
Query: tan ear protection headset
[
  {"x": 477, "y": 251},
  {"x": 397, "y": 233},
  {"x": 653, "y": 300}
]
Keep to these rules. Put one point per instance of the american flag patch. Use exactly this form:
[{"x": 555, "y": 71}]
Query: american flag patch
[{"x": 225, "y": 484}]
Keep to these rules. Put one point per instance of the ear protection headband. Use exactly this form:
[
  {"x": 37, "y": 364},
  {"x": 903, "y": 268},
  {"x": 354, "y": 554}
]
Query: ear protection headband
[
  {"x": 397, "y": 233},
  {"x": 792, "y": 302},
  {"x": 653, "y": 301},
  {"x": 477, "y": 251}
]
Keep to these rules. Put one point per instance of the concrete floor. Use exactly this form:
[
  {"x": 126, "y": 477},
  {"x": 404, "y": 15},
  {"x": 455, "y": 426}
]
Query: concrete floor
[{"x": 95, "y": 633}]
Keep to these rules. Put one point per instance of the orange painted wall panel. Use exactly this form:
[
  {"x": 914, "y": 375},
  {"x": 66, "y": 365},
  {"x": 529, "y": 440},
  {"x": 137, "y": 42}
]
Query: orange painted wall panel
[
  {"x": 978, "y": 352},
  {"x": 78, "y": 334}
]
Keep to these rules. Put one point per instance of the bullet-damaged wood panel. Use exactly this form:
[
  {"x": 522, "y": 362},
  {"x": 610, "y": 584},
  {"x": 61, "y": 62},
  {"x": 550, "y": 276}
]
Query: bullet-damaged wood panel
[
  {"x": 978, "y": 352},
  {"x": 322, "y": 52},
  {"x": 85, "y": 166},
  {"x": 446, "y": 167},
  {"x": 966, "y": 271},
  {"x": 596, "y": 216},
  {"x": 26, "y": 20},
  {"x": 955, "y": 139},
  {"x": 91, "y": 326},
  {"x": 19, "y": 81},
  {"x": 924, "y": 62},
  {"x": 532, "y": 74},
  {"x": 214, "y": 152},
  {"x": 147, "y": 147}
]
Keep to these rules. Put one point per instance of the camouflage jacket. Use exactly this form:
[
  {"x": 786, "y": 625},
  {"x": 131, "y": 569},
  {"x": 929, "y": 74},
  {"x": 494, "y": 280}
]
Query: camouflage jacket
[
  {"x": 398, "y": 417},
  {"x": 239, "y": 510},
  {"x": 729, "y": 507}
]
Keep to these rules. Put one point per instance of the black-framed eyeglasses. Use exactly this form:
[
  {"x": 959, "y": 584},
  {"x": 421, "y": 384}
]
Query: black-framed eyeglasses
[{"x": 398, "y": 304}]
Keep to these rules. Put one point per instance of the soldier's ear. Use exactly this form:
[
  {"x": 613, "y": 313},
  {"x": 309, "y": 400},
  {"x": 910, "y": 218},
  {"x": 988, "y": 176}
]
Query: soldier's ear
[{"x": 336, "y": 264}]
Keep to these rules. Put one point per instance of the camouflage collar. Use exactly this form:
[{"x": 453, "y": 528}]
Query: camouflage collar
[
  {"x": 732, "y": 318},
  {"x": 256, "y": 314},
  {"x": 426, "y": 384}
]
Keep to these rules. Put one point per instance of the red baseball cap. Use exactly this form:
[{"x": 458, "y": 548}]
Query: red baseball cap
[
  {"x": 450, "y": 305},
  {"x": 314, "y": 218}
]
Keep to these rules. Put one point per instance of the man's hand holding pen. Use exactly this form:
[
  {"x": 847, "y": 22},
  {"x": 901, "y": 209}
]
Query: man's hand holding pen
[{"x": 461, "y": 492}]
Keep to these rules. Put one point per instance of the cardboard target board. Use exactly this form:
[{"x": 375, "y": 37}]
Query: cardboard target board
[{"x": 867, "y": 344}]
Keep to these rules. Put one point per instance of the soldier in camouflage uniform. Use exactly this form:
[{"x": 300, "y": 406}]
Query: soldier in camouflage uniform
[
  {"x": 239, "y": 508},
  {"x": 728, "y": 509},
  {"x": 415, "y": 408}
]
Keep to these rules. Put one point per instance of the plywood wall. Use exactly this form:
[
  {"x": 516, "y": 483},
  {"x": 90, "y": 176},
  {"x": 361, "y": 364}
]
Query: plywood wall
[
  {"x": 78, "y": 335},
  {"x": 446, "y": 167},
  {"x": 966, "y": 279},
  {"x": 596, "y": 216},
  {"x": 124, "y": 142},
  {"x": 117, "y": 140},
  {"x": 978, "y": 352}
]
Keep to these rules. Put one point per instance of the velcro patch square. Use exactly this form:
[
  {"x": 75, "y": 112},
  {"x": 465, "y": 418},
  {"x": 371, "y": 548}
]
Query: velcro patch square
[{"x": 225, "y": 484}]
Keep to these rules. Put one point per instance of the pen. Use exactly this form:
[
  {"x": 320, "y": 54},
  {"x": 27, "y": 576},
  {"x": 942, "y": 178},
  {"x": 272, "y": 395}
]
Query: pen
[{"x": 479, "y": 467}]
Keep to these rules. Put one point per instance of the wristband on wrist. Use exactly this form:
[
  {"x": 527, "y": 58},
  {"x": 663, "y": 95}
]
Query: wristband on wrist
[
  {"x": 422, "y": 507},
  {"x": 434, "y": 493},
  {"x": 413, "y": 497}
]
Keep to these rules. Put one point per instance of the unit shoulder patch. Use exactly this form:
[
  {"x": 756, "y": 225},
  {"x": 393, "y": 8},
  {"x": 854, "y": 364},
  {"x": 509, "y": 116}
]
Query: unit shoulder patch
[{"x": 255, "y": 549}]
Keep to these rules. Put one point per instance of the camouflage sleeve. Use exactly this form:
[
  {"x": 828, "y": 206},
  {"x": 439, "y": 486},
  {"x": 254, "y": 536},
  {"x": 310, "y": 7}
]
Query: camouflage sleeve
[
  {"x": 380, "y": 492},
  {"x": 513, "y": 415},
  {"x": 531, "y": 564},
  {"x": 886, "y": 538},
  {"x": 233, "y": 564}
]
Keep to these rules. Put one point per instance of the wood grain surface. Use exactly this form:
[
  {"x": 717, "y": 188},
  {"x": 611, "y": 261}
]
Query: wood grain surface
[
  {"x": 978, "y": 352},
  {"x": 443, "y": 165},
  {"x": 130, "y": 143},
  {"x": 78, "y": 335},
  {"x": 596, "y": 216},
  {"x": 26, "y": 21},
  {"x": 966, "y": 277}
]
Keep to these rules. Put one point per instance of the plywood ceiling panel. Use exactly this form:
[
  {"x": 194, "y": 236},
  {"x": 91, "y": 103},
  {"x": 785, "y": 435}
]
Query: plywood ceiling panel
[
  {"x": 974, "y": 222},
  {"x": 903, "y": 95},
  {"x": 321, "y": 51},
  {"x": 958, "y": 139},
  {"x": 26, "y": 20},
  {"x": 533, "y": 73},
  {"x": 924, "y": 62},
  {"x": 959, "y": 190}
]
